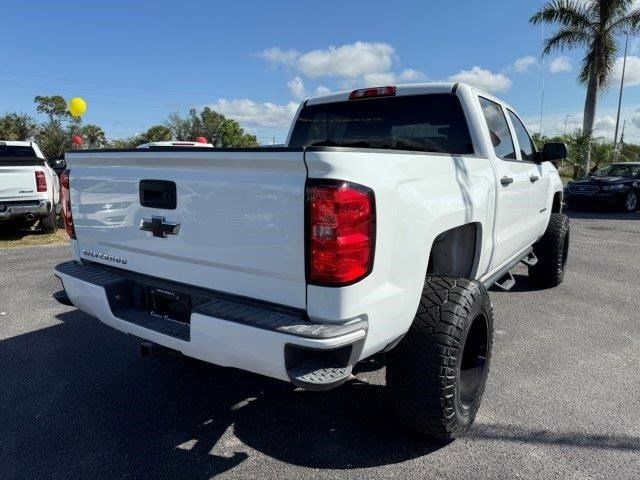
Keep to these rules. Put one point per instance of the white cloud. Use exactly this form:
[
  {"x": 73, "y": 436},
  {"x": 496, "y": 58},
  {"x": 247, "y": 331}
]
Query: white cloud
[
  {"x": 277, "y": 56},
  {"x": 322, "y": 90},
  {"x": 296, "y": 87},
  {"x": 379, "y": 79},
  {"x": 252, "y": 114},
  {"x": 560, "y": 64},
  {"x": 524, "y": 64},
  {"x": 347, "y": 61},
  {"x": 411, "y": 75},
  {"x": 632, "y": 73},
  {"x": 483, "y": 79}
]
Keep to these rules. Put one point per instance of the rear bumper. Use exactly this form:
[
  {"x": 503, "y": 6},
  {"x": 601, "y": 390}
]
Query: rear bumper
[
  {"x": 21, "y": 208},
  {"x": 269, "y": 340}
]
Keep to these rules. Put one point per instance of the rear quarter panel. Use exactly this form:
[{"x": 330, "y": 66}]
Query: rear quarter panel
[{"x": 418, "y": 196}]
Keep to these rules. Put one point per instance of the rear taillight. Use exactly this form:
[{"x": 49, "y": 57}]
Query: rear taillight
[
  {"x": 65, "y": 197},
  {"x": 372, "y": 93},
  {"x": 340, "y": 232},
  {"x": 41, "y": 182}
]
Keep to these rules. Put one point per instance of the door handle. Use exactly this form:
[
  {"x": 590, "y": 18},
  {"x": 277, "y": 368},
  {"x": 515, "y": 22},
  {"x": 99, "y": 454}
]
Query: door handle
[
  {"x": 506, "y": 181},
  {"x": 534, "y": 178}
]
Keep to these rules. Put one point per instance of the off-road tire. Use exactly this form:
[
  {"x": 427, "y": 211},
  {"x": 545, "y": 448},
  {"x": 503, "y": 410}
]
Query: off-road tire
[
  {"x": 552, "y": 251},
  {"x": 433, "y": 384},
  {"x": 48, "y": 222}
]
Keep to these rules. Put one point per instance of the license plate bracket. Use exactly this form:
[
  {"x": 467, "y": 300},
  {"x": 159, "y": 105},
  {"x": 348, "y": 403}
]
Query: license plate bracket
[{"x": 169, "y": 305}]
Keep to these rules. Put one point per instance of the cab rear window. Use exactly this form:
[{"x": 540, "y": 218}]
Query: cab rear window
[
  {"x": 427, "y": 123},
  {"x": 14, "y": 151}
]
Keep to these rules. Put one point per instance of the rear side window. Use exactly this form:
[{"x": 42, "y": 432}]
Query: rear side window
[
  {"x": 427, "y": 123},
  {"x": 16, "y": 151},
  {"x": 498, "y": 129},
  {"x": 524, "y": 140}
]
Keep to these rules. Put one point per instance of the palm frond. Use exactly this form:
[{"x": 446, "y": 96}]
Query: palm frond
[
  {"x": 607, "y": 61},
  {"x": 629, "y": 22},
  {"x": 570, "y": 13},
  {"x": 566, "y": 37}
]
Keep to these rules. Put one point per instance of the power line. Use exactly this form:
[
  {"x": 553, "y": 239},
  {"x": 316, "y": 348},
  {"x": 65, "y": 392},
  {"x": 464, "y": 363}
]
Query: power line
[
  {"x": 103, "y": 84},
  {"x": 93, "y": 101},
  {"x": 44, "y": 87}
]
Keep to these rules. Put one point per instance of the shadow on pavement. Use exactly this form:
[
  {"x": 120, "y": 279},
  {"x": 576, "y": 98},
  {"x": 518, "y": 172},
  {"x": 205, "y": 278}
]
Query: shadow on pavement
[
  {"x": 81, "y": 403},
  {"x": 77, "y": 402}
]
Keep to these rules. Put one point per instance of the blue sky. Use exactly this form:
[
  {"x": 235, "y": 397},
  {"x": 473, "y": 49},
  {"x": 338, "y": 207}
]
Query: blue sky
[{"x": 135, "y": 62}]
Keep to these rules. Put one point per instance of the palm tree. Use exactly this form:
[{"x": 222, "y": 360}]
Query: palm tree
[
  {"x": 93, "y": 135},
  {"x": 594, "y": 26}
]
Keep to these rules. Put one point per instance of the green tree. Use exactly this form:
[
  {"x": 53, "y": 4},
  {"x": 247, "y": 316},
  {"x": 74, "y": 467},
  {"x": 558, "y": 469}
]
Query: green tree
[
  {"x": 54, "y": 135},
  {"x": 157, "y": 133},
  {"x": 215, "y": 127},
  {"x": 593, "y": 26},
  {"x": 129, "y": 142},
  {"x": 17, "y": 126},
  {"x": 54, "y": 107}
]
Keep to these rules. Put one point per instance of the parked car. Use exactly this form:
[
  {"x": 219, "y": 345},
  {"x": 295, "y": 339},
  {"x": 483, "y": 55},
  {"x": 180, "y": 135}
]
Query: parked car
[
  {"x": 616, "y": 185},
  {"x": 377, "y": 229},
  {"x": 29, "y": 188}
]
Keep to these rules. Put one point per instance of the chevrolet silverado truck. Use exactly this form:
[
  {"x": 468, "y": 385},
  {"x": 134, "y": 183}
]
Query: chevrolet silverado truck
[
  {"x": 377, "y": 229},
  {"x": 29, "y": 188}
]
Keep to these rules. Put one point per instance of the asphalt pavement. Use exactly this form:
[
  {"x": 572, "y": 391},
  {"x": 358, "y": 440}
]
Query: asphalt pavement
[{"x": 562, "y": 399}]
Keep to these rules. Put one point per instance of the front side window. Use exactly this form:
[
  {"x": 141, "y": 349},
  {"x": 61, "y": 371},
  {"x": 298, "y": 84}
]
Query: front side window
[
  {"x": 524, "y": 140},
  {"x": 425, "y": 123},
  {"x": 498, "y": 129}
]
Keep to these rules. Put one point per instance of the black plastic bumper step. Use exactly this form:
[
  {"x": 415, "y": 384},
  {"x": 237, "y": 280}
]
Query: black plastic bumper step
[{"x": 316, "y": 374}]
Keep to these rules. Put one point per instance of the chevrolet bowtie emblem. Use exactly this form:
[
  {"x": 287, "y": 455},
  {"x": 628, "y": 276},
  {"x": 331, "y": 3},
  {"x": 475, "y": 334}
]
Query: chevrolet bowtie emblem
[{"x": 159, "y": 227}]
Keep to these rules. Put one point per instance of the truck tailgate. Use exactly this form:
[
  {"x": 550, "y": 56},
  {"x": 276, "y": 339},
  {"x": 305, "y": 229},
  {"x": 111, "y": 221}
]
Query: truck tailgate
[
  {"x": 240, "y": 215},
  {"x": 17, "y": 182}
]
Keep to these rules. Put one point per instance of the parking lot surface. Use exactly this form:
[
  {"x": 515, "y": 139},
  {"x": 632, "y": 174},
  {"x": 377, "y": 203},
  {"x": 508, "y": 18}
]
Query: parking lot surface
[{"x": 562, "y": 399}]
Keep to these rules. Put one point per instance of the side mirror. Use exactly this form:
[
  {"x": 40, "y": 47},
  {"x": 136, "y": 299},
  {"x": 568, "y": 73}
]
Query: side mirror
[{"x": 553, "y": 151}]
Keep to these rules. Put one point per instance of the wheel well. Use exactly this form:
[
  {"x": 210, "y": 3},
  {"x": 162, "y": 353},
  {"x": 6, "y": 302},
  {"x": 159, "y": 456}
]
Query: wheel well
[
  {"x": 454, "y": 252},
  {"x": 556, "y": 207}
]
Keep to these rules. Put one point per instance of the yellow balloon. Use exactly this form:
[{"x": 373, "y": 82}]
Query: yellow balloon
[{"x": 77, "y": 106}]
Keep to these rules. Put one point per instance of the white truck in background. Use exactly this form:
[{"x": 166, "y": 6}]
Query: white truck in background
[
  {"x": 29, "y": 188},
  {"x": 378, "y": 228}
]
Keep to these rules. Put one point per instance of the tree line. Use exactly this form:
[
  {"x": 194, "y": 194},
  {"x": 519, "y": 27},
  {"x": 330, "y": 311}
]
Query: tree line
[{"x": 56, "y": 128}]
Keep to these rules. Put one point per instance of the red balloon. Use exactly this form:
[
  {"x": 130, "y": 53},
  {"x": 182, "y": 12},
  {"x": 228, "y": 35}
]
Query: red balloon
[
  {"x": 77, "y": 140},
  {"x": 201, "y": 140}
]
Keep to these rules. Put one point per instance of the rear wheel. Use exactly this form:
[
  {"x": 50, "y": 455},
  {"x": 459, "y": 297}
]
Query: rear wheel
[
  {"x": 48, "y": 222},
  {"x": 630, "y": 202},
  {"x": 437, "y": 373},
  {"x": 552, "y": 251}
]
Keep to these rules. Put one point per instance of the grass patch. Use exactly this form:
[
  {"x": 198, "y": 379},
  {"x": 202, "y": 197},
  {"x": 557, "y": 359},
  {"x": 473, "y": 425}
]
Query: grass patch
[{"x": 13, "y": 236}]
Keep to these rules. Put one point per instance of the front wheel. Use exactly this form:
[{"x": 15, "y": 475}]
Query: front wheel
[
  {"x": 630, "y": 202},
  {"x": 437, "y": 373},
  {"x": 552, "y": 251}
]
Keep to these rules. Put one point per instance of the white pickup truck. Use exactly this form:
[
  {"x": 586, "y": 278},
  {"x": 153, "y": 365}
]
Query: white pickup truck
[
  {"x": 29, "y": 188},
  {"x": 377, "y": 229}
]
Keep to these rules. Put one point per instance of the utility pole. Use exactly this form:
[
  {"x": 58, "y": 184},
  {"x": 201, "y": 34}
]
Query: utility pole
[
  {"x": 624, "y": 67},
  {"x": 542, "y": 93},
  {"x": 565, "y": 123}
]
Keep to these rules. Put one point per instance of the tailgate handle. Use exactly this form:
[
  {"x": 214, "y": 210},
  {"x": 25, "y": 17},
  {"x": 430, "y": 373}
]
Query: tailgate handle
[{"x": 158, "y": 194}]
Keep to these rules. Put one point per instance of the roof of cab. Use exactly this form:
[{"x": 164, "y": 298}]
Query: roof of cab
[{"x": 403, "y": 89}]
